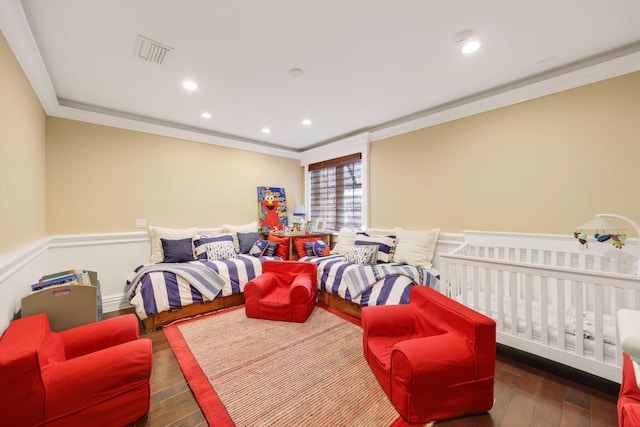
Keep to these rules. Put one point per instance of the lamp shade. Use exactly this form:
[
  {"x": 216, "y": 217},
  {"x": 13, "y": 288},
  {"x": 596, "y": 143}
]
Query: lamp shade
[
  {"x": 600, "y": 223},
  {"x": 299, "y": 210}
]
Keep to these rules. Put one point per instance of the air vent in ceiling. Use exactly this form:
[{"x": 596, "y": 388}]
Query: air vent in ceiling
[{"x": 150, "y": 50}]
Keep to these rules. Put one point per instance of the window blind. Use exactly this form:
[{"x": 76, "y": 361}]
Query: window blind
[{"x": 336, "y": 192}]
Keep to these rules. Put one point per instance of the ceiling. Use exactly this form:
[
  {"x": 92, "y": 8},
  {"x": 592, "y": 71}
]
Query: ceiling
[{"x": 366, "y": 65}]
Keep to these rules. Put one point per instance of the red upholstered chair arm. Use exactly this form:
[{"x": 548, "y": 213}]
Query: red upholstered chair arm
[
  {"x": 301, "y": 289},
  {"x": 260, "y": 286},
  {"x": 433, "y": 361},
  {"x": 100, "y": 335},
  {"x": 93, "y": 378},
  {"x": 388, "y": 320}
]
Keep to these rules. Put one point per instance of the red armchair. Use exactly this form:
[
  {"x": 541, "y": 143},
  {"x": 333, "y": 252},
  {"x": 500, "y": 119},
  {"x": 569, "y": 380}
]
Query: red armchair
[
  {"x": 286, "y": 290},
  {"x": 629, "y": 396},
  {"x": 96, "y": 374},
  {"x": 434, "y": 358}
]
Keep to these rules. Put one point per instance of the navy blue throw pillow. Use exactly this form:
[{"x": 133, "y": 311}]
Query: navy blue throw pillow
[{"x": 177, "y": 250}]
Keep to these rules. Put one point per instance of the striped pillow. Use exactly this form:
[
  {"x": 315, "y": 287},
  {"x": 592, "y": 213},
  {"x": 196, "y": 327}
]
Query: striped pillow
[
  {"x": 386, "y": 245},
  {"x": 200, "y": 244}
]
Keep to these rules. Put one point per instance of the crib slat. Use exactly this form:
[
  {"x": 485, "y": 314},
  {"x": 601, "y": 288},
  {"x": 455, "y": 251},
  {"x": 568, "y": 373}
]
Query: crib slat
[
  {"x": 599, "y": 321},
  {"x": 562, "y": 321},
  {"x": 578, "y": 312},
  {"x": 513, "y": 299},
  {"x": 500, "y": 301},
  {"x": 476, "y": 288},
  {"x": 619, "y": 301},
  {"x": 544, "y": 310},
  {"x": 528, "y": 295},
  {"x": 488, "y": 291}
]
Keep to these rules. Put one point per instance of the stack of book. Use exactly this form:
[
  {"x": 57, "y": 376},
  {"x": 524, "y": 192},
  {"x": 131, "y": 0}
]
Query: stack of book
[{"x": 68, "y": 277}]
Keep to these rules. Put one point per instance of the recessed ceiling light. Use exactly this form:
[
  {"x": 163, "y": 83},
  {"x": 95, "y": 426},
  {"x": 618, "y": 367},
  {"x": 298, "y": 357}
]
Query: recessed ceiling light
[
  {"x": 471, "y": 46},
  {"x": 296, "y": 72},
  {"x": 205, "y": 115},
  {"x": 306, "y": 122},
  {"x": 189, "y": 85},
  {"x": 466, "y": 41},
  {"x": 266, "y": 130}
]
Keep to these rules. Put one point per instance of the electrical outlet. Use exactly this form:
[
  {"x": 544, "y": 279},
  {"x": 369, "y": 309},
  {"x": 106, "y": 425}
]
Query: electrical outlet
[{"x": 141, "y": 223}]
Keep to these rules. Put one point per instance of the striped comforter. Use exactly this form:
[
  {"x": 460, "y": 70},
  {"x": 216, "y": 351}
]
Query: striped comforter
[
  {"x": 161, "y": 289},
  {"x": 378, "y": 284}
]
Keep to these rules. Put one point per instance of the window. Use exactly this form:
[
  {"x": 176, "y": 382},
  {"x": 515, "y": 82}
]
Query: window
[{"x": 335, "y": 194}]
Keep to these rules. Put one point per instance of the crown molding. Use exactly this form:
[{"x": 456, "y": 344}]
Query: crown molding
[
  {"x": 16, "y": 30},
  {"x": 599, "y": 69}
]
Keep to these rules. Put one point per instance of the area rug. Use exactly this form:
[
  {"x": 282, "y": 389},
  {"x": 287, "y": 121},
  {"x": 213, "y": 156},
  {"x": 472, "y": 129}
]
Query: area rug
[{"x": 253, "y": 372}]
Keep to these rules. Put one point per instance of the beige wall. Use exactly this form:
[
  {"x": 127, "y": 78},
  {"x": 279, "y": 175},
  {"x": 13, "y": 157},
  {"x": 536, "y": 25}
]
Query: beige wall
[
  {"x": 543, "y": 166},
  {"x": 101, "y": 179},
  {"x": 546, "y": 165},
  {"x": 22, "y": 157}
]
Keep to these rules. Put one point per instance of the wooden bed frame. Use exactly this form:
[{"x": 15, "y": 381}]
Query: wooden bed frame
[
  {"x": 156, "y": 321},
  {"x": 159, "y": 320},
  {"x": 340, "y": 304}
]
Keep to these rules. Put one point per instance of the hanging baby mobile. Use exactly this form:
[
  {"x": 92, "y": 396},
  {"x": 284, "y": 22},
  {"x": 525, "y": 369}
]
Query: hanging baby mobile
[{"x": 618, "y": 238}]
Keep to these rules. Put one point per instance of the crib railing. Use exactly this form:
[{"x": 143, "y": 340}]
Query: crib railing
[{"x": 555, "y": 304}]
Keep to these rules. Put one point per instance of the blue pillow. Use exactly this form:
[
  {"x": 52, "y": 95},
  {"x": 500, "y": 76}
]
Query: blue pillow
[
  {"x": 246, "y": 241},
  {"x": 271, "y": 249},
  {"x": 308, "y": 248},
  {"x": 263, "y": 248},
  {"x": 200, "y": 244},
  {"x": 180, "y": 250}
]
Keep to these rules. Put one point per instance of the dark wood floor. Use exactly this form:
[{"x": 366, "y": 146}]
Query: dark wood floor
[{"x": 524, "y": 396}]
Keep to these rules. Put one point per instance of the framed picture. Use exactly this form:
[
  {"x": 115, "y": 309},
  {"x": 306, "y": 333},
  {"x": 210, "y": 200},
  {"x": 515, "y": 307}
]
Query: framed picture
[
  {"x": 308, "y": 229},
  {"x": 272, "y": 209},
  {"x": 318, "y": 226}
]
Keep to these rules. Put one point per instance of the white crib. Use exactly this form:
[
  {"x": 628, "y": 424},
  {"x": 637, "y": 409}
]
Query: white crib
[{"x": 543, "y": 281}]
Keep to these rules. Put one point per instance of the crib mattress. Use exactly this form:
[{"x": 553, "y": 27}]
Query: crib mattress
[{"x": 589, "y": 345}]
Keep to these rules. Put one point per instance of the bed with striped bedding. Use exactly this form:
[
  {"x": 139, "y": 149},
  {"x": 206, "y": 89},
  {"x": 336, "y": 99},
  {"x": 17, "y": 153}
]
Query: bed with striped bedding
[
  {"x": 163, "y": 293},
  {"x": 363, "y": 285}
]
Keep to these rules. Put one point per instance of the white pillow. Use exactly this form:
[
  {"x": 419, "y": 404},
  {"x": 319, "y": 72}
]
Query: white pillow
[
  {"x": 157, "y": 233},
  {"x": 217, "y": 251},
  {"x": 346, "y": 239},
  {"x": 235, "y": 229},
  {"x": 415, "y": 247},
  {"x": 362, "y": 254}
]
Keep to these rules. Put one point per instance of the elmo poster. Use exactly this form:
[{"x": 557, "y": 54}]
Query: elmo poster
[{"x": 272, "y": 208}]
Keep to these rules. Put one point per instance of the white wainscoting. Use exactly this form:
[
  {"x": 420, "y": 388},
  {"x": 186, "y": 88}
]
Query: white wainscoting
[
  {"x": 18, "y": 270},
  {"x": 112, "y": 255}
]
